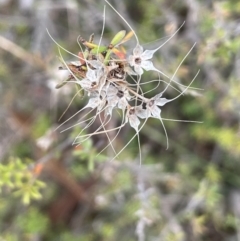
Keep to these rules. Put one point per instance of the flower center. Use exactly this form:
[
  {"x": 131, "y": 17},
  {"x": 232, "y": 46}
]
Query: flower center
[
  {"x": 132, "y": 111},
  {"x": 144, "y": 106},
  {"x": 151, "y": 103},
  {"x": 138, "y": 60},
  {"x": 120, "y": 94},
  {"x": 94, "y": 83}
]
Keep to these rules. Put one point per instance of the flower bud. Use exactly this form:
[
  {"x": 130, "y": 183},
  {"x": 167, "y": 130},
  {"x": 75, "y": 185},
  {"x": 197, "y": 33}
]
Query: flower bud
[{"x": 118, "y": 37}]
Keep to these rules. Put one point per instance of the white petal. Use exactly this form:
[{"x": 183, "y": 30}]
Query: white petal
[
  {"x": 157, "y": 96},
  {"x": 129, "y": 71},
  {"x": 85, "y": 84},
  {"x": 141, "y": 113},
  {"x": 91, "y": 74},
  {"x": 122, "y": 103},
  {"x": 76, "y": 63},
  {"x": 93, "y": 102},
  {"x": 161, "y": 101},
  {"x": 155, "y": 111},
  {"x": 138, "y": 69},
  {"x": 112, "y": 101},
  {"x": 127, "y": 96},
  {"x": 111, "y": 91},
  {"x": 96, "y": 64},
  {"x": 147, "y": 65},
  {"x": 134, "y": 122},
  {"x": 99, "y": 73},
  {"x": 108, "y": 111},
  {"x": 148, "y": 54},
  {"x": 137, "y": 51},
  {"x": 131, "y": 60}
]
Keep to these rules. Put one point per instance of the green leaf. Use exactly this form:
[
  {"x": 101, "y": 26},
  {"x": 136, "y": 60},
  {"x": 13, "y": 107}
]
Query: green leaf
[
  {"x": 118, "y": 37},
  {"x": 98, "y": 49},
  {"x": 26, "y": 198}
]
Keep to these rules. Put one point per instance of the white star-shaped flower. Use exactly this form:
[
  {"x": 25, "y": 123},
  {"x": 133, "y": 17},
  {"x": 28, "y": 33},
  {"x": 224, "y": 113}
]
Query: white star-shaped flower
[
  {"x": 132, "y": 118},
  {"x": 141, "y": 59},
  {"x": 91, "y": 81},
  {"x": 96, "y": 101},
  {"x": 95, "y": 78},
  {"x": 118, "y": 96}
]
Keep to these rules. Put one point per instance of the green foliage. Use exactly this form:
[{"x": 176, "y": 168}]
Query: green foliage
[
  {"x": 3, "y": 69},
  {"x": 33, "y": 222},
  {"x": 41, "y": 125},
  {"x": 174, "y": 237},
  {"x": 22, "y": 149},
  {"x": 68, "y": 236},
  {"x": 16, "y": 177},
  {"x": 9, "y": 237},
  {"x": 88, "y": 153},
  {"x": 227, "y": 138}
]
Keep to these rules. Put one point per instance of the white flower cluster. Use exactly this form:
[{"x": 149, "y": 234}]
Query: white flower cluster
[{"x": 106, "y": 74}]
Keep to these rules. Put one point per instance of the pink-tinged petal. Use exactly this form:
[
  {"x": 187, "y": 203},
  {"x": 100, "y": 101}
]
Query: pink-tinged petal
[
  {"x": 134, "y": 122},
  {"x": 148, "y": 54},
  {"x": 137, "y": 51},
  {"x": 147, "y": 65},
  {"x": 155, "y": 111},
  {"x": 161, "y": 101},
  {"x": 138, "y": 69}
]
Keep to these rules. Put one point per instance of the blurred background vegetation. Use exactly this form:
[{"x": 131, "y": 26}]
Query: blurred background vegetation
[{"x": 51, "y": 190}]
